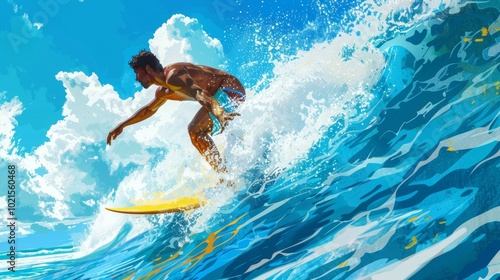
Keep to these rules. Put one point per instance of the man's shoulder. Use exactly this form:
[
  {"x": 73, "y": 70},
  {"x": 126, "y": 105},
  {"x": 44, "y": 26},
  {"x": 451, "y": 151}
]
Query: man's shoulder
[
  {"x": 178, "y": 68},
  {"x": 179, "y": 65}
]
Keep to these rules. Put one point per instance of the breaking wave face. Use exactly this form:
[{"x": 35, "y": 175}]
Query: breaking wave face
[{"x": 371, "y": 152}]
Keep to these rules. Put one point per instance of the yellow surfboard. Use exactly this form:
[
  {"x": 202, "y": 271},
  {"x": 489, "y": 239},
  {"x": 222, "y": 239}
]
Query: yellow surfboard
[{"x": 166, "y": 206}]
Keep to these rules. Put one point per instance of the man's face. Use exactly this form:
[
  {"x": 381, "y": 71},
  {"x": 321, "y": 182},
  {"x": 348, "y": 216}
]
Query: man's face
[{"x": 143, "y": 77}]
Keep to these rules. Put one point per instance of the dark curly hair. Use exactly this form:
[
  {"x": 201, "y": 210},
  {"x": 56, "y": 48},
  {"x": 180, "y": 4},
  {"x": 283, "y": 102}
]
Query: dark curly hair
[{"x": 144, "y": 58}]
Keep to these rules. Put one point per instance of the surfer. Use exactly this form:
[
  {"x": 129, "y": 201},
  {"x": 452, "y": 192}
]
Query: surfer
[{"x": 218, "y": 92}]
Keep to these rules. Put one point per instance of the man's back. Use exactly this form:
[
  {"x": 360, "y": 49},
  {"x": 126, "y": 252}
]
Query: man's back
[{"x": 208, "y": 78}]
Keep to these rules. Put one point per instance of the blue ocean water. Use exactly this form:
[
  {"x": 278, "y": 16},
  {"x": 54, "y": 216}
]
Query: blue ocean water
[{"x": 387, "y": 171}]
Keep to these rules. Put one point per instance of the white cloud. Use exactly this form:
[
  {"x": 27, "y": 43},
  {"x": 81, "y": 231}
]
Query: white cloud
[
  {"x": 55, "y": 209},
  {"x": 28, "y": 21},
  {"x": 8, "y": 112},
  {"x": 89, "y": 202},
  {"x": 15, "y": 7},
  {"x": 183, "y": 39}
]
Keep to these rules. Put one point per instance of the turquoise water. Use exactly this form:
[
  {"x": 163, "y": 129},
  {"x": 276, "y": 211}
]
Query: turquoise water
[{"x": 375, "y": 155}]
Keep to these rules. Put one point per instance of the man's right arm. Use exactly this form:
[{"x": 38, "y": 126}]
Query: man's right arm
[{"x": 143, "y": 113}]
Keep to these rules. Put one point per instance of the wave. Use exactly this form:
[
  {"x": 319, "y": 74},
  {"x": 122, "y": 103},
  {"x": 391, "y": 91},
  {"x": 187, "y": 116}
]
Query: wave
[
  {"x": 54, "y": 251},
  {"x": 372, "y": 153}
]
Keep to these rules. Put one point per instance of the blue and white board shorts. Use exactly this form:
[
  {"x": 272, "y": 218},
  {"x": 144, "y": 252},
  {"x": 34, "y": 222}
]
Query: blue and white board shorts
[{"x": 225, "y": 102}]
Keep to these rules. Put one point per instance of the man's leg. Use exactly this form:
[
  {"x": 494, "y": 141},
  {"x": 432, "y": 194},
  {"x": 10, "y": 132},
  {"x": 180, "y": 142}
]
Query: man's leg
[{"x": 199, "y": 131}]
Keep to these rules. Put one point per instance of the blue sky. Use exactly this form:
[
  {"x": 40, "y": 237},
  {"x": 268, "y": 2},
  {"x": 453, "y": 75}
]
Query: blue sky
[{"x": 101, "y": 36}]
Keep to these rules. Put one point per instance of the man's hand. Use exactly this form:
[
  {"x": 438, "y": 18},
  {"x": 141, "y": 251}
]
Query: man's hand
[
  {"x": 215, "y": 108},
  {"x": 114, "y": 133},
  {"x": 224, "y": 117}
]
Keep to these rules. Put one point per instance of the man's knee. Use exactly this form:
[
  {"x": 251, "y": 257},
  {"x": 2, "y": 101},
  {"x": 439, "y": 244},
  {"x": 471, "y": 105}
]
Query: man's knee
[{"x": 196, "y": 134}]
